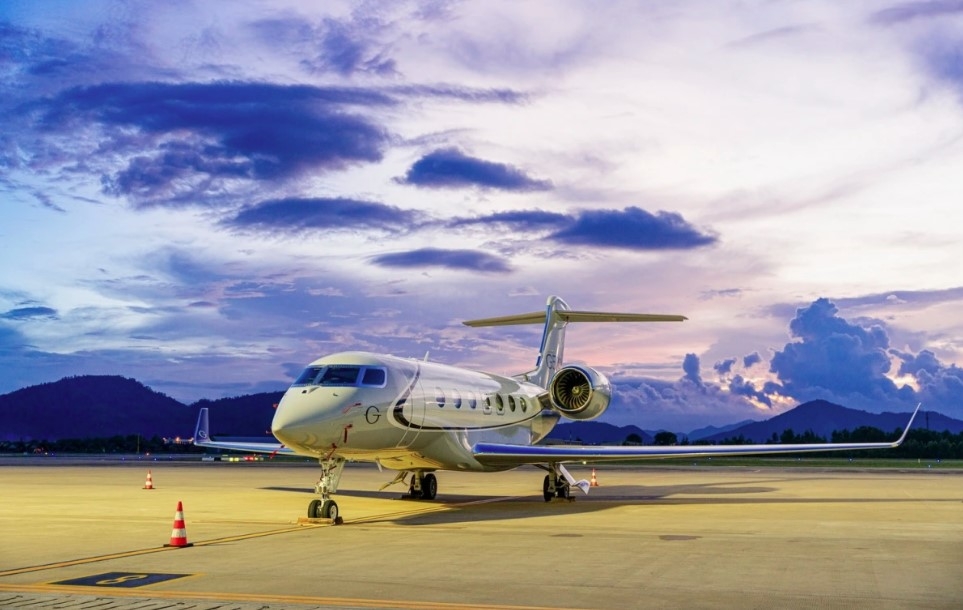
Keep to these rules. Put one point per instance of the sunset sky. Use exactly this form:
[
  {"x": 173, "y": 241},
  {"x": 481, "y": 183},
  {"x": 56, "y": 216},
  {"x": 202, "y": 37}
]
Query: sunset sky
[{"x": 207, "y": 196}]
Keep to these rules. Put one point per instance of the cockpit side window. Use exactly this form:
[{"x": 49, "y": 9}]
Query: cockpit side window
[
  {"x": 374, "y": 377},
  {"x": 340, "y": 376},
  {"x": 309, "y": 375}
]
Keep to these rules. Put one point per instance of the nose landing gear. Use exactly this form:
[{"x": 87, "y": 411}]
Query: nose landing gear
[{"x": 326, "y": 508}]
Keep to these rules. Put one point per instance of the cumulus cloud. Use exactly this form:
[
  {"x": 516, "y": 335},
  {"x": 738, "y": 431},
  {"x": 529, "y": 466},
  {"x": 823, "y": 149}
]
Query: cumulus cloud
[
  {"x": 849, "y": 362},
  {"x": 939, "y": 384},
  {"x": 830, "y": 358},
  {"x": 739, "y": 386},
  {"x": 724, "y": 367},
  {"x": 465, "y": 260},
  {"x": 451, "y": 168},
  {"x": 833, "y": 355},
  {"x": 692, "y": 371}
]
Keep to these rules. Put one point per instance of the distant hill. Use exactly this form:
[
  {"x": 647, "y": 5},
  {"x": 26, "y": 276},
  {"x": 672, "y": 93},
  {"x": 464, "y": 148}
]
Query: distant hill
[
  {"x": 100, "y": 406},
  {"x": 596, "y": 433},
  {"x": 706, "y": 432},
  {"x": 248, "y": 415},
  {"x": 823, "y": 417},
  {"x": 91, "y": 406}
]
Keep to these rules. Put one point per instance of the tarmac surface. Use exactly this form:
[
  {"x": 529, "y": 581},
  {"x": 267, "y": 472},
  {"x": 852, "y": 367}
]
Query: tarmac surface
[{"x": 86, "y": 535}]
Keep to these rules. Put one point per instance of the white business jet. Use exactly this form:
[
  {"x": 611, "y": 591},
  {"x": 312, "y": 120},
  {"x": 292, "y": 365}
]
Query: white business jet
[{"x": 416, "y": 417}]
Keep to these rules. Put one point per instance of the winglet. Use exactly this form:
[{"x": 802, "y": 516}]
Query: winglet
[
  {"x": 202, "y": 432},
  {"x": 906, "y": 430}
]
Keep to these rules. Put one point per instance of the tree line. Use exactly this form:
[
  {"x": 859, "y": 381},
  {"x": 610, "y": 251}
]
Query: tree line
[{"x": 131, "y": 443}]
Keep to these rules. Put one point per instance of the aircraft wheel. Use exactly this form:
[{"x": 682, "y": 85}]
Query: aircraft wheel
[
  {"x": 329, "y": 510},
  {"x": 429, "y": 487},
  {"x": 548, "y": 495},
  {"x": 562, "y": 492},
  {"x": 314, "y": 509}
]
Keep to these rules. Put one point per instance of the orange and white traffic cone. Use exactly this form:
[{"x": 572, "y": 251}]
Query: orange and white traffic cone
[
  {"x": 179, "y": 533},
  {"x": 149, "y": 483},
  {"x": 594, "y": 482}
]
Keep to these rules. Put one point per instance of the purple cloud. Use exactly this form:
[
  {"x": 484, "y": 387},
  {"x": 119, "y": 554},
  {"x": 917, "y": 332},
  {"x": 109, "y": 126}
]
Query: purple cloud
[
  {"x": 450, "y": 168},
  {"x": 633, "y": 229},
  {"x": 226, "y": 130},
  {"x": 521, "y": 220},
  {"x": 469, "y": 260},
  {"x": 741, "y": 387},
  {"x": 911, "y": 11},
  {"x": 833, "y": 355},
  {"x": 939, "y": 384},
  {"x": 29, "y": 313},
  {"x": 690, "y": 365},
  {"x": 344, "y": 47},
  {"x": 725, "y": 366},
  {"x": 295, "y": 215}
]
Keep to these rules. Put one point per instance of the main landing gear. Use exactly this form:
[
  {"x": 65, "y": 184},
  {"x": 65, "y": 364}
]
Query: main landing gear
[
  {"x": 326, "y": 508},
  {"x": 423, "y": 485},
  {"x": 558, "y": 483}
]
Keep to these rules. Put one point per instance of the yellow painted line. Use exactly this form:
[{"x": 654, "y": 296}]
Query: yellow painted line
[{"x": 260, "y": 598}]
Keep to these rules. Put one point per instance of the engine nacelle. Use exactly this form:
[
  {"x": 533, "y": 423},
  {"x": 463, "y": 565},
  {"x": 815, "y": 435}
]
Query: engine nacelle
[{"x": 580, "y": 392}]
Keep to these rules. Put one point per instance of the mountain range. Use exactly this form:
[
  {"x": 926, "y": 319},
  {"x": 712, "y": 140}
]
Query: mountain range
[{"x": 98, "y": 406}]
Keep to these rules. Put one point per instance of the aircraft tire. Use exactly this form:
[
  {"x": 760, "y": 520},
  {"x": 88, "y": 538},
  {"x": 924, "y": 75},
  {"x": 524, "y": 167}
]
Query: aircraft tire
[
  {"x": 548, "y": 495},
  {"x": 429, "y": 487},
  {"x": 329, "y": 510},
  {"x": 314, "y": 509}
]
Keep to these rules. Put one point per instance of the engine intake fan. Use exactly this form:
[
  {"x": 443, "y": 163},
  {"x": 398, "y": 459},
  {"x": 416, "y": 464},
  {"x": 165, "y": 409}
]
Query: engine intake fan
[{"x": 580, "y": 392}]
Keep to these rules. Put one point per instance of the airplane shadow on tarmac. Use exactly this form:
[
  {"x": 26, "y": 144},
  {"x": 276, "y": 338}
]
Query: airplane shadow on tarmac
[{"x": 465, "y": 508}]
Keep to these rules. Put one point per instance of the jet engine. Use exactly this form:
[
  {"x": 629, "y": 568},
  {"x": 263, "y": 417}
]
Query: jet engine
[{"x": 580, "y": 392}]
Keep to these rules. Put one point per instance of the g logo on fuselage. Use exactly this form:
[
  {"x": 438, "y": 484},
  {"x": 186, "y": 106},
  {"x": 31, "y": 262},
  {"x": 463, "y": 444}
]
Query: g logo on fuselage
[{"x": 372, "y": 414}]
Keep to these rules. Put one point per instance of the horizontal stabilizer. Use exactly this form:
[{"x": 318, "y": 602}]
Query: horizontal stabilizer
[{"x": 538, "y": 317}]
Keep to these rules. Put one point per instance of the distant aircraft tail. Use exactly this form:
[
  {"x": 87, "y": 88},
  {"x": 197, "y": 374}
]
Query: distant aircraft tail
[
  {"x": 202, "y": 432},
  {"x": 556, "y": 317}
]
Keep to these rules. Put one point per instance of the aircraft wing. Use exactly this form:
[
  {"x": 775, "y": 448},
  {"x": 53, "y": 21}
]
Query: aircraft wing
[
  {"x": 202, "y": 438},
  {"x": 496, "y": 454}
]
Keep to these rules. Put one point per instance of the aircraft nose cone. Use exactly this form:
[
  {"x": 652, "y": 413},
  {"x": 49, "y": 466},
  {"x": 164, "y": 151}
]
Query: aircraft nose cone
[
  {"x": 292, "y": 431},
  {"x": 304, "y": 422}
]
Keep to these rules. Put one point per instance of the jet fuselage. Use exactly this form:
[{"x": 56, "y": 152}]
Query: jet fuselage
[{"x": 407, "y": 414}]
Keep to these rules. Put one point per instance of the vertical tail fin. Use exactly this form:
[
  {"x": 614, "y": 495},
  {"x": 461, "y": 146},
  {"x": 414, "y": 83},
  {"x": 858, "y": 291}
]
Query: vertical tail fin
[
  {"x": 556, "y": 317},
  {"x": 202, "y": 432}
]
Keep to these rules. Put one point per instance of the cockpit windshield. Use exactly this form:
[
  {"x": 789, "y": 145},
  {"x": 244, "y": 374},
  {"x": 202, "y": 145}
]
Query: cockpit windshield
[{"x": 343, "y": 375}]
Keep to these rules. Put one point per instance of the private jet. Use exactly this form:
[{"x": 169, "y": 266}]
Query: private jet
[{"x": 417, "y": 417}]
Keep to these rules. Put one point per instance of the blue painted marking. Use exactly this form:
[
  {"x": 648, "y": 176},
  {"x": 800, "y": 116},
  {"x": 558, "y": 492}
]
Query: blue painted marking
[{"x": 120, "y": 579}]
